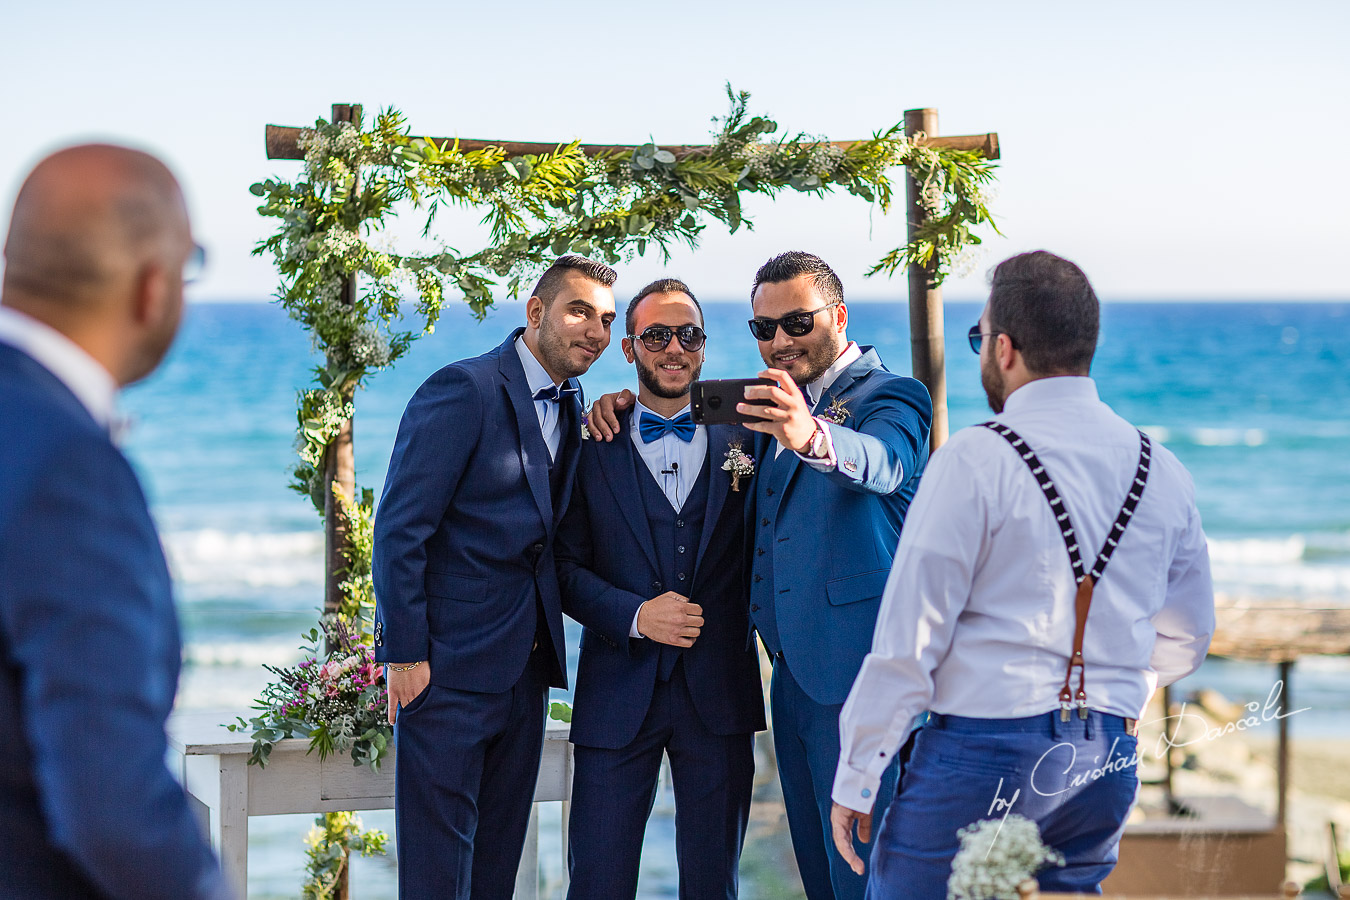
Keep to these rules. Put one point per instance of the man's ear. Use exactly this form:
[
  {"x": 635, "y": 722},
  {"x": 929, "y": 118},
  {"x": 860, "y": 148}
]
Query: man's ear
[
  {"x": 150, "y": 293},
  {"x": 840, "y": 317},
  {"x": 627, "y": 346},
  {"x": 1005, "y": 353},
  {"x": 534, "y": 311}
]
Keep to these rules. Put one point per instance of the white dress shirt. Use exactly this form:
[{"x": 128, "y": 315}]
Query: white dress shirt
[
  {"x": 978, "y": 614},
  {"x": 814, "y": 391},
  {"x": 91, "y": 384},
  {"x": 674, "y": 463},
  {"x": 536, "y": 377}
]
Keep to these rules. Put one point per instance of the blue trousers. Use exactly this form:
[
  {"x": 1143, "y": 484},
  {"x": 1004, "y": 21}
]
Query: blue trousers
[
  {"x": 1076, "y": 780},
  {"x": 467, "y": 767},
  {"x": 806, "y": 742},
  {"x": 613, "y": 792}
]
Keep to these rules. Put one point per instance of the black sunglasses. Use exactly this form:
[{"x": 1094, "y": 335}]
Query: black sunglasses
[
  {"x": 657, "y": 337},
  {"x": 977, "y": 337},
  {"x": 795, "y": 325}
]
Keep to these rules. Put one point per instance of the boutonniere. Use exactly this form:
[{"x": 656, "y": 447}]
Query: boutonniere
[
  {"x": 739, "y": 463},
  {"x": 585, "y": 423},
  {"x": 836, "y": 413}
]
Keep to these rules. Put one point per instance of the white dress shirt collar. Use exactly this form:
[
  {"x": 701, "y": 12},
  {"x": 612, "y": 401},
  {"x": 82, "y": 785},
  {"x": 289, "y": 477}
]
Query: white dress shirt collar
[
  {"x": 674, "y": 464},
  {"x": 91, "y": 384},
  {"x": 535, "y": 374},
  {"x": 1052, "y": 392},
  {"x": 816, "y": 389}
]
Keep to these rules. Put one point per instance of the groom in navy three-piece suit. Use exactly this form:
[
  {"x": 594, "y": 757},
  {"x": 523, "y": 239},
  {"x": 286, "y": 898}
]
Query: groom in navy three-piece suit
[
  {"x": 651, "y": 558},
  {"x": 468, "y": 616}
]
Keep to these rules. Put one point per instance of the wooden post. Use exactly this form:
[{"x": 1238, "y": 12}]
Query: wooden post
[
  {"x": 339, "y": 474},
  {"x": 1282, "y": 761},
  {"x": 925, "y": 297},
  {"x": 339, "y": 463}
]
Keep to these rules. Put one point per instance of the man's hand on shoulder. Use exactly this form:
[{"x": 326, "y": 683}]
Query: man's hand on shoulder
[
  {"x": 670, "y": 618},
  {"x": 407, "y": 685},
  {"x": 603, "y": 421}
]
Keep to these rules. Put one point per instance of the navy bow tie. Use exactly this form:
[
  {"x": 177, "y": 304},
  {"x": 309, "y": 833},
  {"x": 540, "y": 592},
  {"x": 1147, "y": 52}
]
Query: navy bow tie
[
  {"x": 555, "y": 392},
  {"x": 652, "y": 426}
]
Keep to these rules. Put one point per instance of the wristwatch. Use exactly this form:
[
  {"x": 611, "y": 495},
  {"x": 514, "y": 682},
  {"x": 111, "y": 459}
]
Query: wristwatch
[{"x": 817, "y": 448}]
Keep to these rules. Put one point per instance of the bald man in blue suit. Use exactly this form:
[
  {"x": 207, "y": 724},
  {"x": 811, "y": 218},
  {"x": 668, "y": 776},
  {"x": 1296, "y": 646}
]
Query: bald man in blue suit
[{"x": 89, "y": 643}]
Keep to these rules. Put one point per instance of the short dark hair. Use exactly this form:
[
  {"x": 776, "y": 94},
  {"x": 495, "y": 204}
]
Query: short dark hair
[
  {"x": 795, "y": 263},
  {"x": 551, "y": 281},
  {"x": 1046, "y": 306},
  {"x": 659, "y": 286}
]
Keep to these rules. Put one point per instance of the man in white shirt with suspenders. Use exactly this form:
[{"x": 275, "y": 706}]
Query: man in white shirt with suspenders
[{"x": 1021, "y": 526}]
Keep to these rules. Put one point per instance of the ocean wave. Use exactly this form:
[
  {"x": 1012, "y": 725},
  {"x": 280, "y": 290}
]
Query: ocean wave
[
  {"x": 210, "y": 556},
  {"x": 243, "y": 654},
  {"x": 1207, "y": 437}
]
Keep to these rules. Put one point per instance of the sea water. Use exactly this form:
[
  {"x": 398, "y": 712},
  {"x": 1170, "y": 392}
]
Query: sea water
[{"x": 1254, "y": 398}]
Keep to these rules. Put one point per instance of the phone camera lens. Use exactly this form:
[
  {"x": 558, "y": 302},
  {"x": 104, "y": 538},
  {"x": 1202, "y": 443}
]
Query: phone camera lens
[{"x": 715, "y": 401}]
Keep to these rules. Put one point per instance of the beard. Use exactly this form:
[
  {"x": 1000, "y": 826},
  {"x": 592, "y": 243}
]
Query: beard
[
  {"x": 817, "y": 359},
  {"x": 554, "y": 347},
  {"x": 995, "y": 387},
  {"x": 651, "y": 379}
]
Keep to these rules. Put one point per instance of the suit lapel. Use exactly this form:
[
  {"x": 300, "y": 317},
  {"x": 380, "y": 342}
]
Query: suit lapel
[
  {"x": 533, "y": 451},
  {"x": 618, "y": 464},
  {"x": 719, "y": 482}
]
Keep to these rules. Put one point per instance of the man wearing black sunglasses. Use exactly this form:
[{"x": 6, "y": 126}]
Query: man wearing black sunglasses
[
  {"x": 840, "y": 453},
  {"x": 652, "y": 562}
]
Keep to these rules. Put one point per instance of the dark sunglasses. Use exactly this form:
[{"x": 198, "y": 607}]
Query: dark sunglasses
[
  {"x": 657, "y": 337},
  {"x": 795, "y": 325},
  {"x": 977, "y": 337}
]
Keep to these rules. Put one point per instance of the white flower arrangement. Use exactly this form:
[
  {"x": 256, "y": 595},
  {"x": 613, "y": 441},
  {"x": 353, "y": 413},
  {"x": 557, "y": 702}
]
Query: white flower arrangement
[
  {"x": 996, "y": 856},
  {"x": 739, "y": 463}
]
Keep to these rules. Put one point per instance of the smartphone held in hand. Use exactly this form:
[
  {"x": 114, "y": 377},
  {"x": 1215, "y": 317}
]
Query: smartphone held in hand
[{"x": 713, "y": 402}]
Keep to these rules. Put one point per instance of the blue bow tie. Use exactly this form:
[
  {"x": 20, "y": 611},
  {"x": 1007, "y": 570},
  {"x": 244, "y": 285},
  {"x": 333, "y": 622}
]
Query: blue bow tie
[
  {"x": 652, "y": 426},
  {"x": 555, "y": 392}
]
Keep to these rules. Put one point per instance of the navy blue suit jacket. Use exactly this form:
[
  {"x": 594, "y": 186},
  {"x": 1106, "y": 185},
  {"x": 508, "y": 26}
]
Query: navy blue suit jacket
[
  {"x": 89, "y": 660},
  {"x": 832, "y": 536},
  {"x": 608, "y": 567},
  {"x": 464, "y": 531}
]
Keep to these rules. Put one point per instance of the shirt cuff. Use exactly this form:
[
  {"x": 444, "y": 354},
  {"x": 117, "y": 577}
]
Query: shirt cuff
[
  {"x": 853, "y": 789},
  {"x": 632, "y": 631},
  {"x": 827, "y": 462}
]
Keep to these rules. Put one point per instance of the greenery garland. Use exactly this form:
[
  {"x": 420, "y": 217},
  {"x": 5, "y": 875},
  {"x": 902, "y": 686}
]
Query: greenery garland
[{"x": 611, "y": 206}]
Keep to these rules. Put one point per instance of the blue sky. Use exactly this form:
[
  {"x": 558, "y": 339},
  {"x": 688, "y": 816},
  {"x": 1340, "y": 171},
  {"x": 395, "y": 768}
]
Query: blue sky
[{"x": 1176, "y": 150}]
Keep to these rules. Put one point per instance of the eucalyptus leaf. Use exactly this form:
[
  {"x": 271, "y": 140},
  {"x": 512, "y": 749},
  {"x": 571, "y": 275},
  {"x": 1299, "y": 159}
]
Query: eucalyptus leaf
[{"x": 665, "y": 157}]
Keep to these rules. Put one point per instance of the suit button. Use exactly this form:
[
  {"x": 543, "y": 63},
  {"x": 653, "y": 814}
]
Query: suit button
[
  {"x": 754, "y": 607},
  {"x": 657, "y": 585},
  {"x": 768, "y": 492},
  {"x": 682, "y": 576},
  {"x": 764, "y": 521},
  {"x": 681, "y": 548},
  {"x": 679, "y": 523},
  {"x": 758, "y": 579},
  {"x": 536, "y": 548},
  {"x": 759, "y": 552}
]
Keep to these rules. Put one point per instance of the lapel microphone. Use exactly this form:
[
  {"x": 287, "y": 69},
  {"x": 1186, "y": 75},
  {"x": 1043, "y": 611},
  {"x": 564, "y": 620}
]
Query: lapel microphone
[{"x": 674, "y": 467}]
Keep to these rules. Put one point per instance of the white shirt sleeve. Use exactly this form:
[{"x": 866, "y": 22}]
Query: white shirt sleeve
[
  {"x": 1185, "y": 624},
  {"x": 928, "y": 587}
]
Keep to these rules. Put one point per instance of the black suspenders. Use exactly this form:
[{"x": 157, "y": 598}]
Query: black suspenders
[{"x": 1084, "y": 579}]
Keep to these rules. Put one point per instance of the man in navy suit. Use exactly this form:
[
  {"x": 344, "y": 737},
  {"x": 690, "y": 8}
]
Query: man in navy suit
[
  {"x": 89, "y": 642},
  {"x": 468, "y": 615},
  {"x": 651, "y": 558},
  {"x": 840, "y": 455}
]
